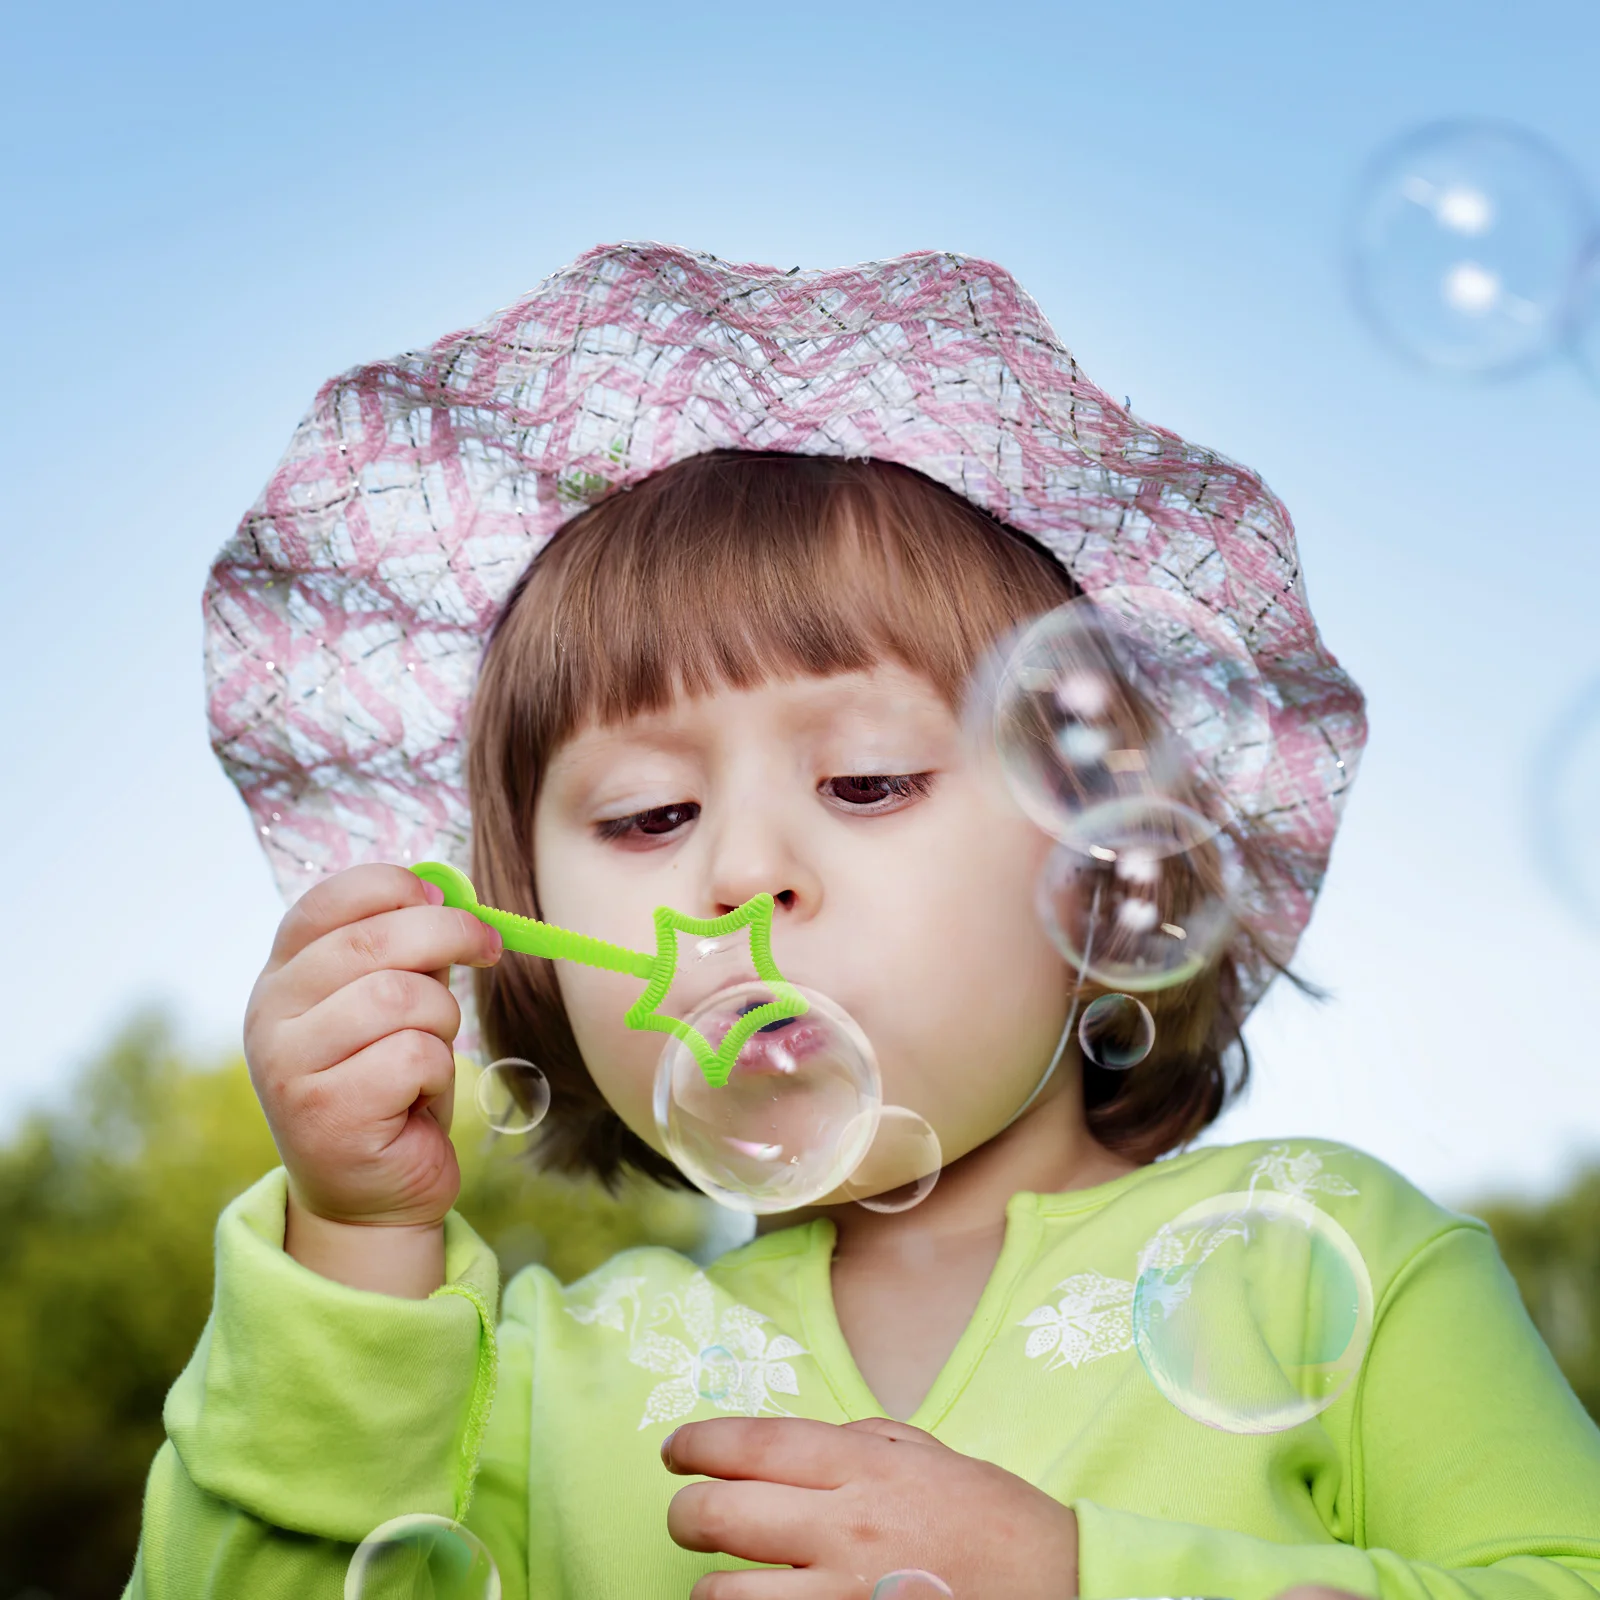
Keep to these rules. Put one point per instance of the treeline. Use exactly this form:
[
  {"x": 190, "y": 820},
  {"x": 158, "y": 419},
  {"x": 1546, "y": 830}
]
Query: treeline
[{"x": 106, "y": 1216}]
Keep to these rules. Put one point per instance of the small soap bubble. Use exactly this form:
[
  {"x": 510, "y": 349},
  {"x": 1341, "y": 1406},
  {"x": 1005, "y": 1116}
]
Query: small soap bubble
[
  {"x": 798, "y": 1111},
  {"x": 1116, "y": 1032},
  {"x": 901, "y": 1164},
  {"x": 1139, "y": 894},
  {"x": 911, "y": 1583},
  {"x": 1252, "y": 1311},
  {"x": 716, "y": 1373},
  {"x": 421, "y": 1557},
  {"x": 1139, "y": 691},
  {"x": 513, "y": 1095},
  {"x": 1467, "y": 244}
]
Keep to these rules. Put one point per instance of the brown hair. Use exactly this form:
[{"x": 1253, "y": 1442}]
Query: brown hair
[{"x": 726, "y": 569}]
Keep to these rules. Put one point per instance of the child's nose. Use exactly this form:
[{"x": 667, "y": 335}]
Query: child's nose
[
  {"x": 750, "y": 856},
  {"x": 786, "y": 898}
]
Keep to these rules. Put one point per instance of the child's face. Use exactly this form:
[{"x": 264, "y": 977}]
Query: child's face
[{"x": 903, "y": 874}]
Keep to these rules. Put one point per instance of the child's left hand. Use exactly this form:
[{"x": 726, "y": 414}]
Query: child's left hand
[{"x": 843, "y": 1505}]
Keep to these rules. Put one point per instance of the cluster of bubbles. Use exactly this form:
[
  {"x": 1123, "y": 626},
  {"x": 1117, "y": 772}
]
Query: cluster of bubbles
[
  {"x": 1474, "y": 250},
  {"x": 421, "y": 1557},
  {"x": 1134, "y": 729}
]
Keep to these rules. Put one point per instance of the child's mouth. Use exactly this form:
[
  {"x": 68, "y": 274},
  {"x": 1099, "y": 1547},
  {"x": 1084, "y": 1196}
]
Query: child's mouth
[{"x": 776, "y": 1048}]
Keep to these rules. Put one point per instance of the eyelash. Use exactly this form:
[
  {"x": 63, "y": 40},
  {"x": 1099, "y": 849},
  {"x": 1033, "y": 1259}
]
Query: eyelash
[{"x": 900, "y": 786}]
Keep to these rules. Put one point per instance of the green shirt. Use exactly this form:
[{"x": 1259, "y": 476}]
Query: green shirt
[{"x": 1457, "y": 1463}]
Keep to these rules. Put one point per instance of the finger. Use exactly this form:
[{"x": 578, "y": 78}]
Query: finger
[
  {"x": 346, "y": 897},
  {"x": 791, "y": 1450},
  {"x": 779, "y": 1583},
  {"x": 894, "y": 1431},
  {"x": 414, "y": 939},
  {"x": 365, "y": 1010},
  {"x": 752, "y": 1520},
  {"x": 375, "y": 1089}
]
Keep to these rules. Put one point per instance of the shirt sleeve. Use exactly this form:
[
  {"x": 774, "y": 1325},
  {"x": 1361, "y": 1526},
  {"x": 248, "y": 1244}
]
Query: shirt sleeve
[
  {"x": 311, "y": 1413},
  {"x": 1475, "y": 1470}
]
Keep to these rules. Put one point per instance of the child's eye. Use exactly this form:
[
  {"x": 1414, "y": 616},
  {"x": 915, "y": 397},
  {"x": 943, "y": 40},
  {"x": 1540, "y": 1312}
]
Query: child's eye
[
  {"x": 878, "y": 791},
  {"x": 653, "y": 824}
]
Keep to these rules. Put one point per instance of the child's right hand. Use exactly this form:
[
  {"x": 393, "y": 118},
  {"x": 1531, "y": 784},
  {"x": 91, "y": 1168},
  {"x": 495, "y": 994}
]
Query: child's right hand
[{"x": 348, "y": 1036}]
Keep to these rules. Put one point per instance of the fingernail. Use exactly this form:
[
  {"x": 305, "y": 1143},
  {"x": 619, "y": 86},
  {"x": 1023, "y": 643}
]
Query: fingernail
[
  {"x": 666, "y": 1448},
  {"x": 499, "y": 943},
  {"x": 434, "y": 893}
]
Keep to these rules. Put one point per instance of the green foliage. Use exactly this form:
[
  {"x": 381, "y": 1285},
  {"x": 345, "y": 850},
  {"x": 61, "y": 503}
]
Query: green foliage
[
  {"x": 106, "y": 1217},
  {"x": 1553, "y": 1250}
]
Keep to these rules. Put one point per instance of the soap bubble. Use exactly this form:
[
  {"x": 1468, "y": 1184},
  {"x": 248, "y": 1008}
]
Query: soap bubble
[
  {"x": 421, "y": 1557},
  {"x": 513, "y": 1095},
  {"x": 901, "y": 1164},
  {"x": 1139, "y": 893},
  {"x": 1466, "y": 246},
  {"x": 1138, "y": 691},
  {"x": 1116, "y": 1032},
  {"x": 796, "y": 1115},
  {"x": 911, "y": 1583},
  {"x": 1252, "y": 1311},
  {"x": 1566, "y": 801},
  {"x": 716, "y": 1373}
]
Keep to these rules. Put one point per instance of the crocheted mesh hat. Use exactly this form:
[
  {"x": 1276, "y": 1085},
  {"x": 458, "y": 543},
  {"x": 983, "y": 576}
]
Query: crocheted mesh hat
[{"x": 346, "y": 616}]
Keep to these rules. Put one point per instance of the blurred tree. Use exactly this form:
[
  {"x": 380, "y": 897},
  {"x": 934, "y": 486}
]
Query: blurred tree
[
  {"x": 107, "y": 1208},
  {"x": 1553, "y": 1250}
]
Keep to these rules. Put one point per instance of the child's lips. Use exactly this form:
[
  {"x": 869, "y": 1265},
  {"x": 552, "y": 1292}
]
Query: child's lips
[{"x": 776, "y": 1049}]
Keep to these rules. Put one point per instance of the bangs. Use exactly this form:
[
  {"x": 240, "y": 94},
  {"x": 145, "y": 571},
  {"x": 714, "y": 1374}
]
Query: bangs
[{"x": 735, "y": 567}]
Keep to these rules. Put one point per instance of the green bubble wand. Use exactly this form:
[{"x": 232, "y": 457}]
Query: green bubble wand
[{"x": 529, "y": 936}]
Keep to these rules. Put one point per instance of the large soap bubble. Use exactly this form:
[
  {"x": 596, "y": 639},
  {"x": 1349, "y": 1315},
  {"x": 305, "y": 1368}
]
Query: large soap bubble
[
  {"x": 421, "y": 1557},
  {"x": 799, "y": 1110},
  {"x": 1138, "y": 691},
  {"x": 1466, "y": 246},
  {"x": 1140, "y": 894},
  {"x": 1252, "y": 1311}
]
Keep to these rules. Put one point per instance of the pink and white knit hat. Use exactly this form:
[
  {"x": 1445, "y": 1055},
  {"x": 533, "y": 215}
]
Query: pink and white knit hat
[{"x": 346, "y": 616}]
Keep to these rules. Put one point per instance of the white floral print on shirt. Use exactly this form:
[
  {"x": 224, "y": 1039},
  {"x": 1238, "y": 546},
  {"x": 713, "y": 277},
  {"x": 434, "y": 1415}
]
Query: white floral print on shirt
[
  {"x": 1090, "y": 1320},
  {"x": 1093, "y": 1317},
  {"x": 727, "y": 1358},
  {"x": 1297, "y": 1175}
]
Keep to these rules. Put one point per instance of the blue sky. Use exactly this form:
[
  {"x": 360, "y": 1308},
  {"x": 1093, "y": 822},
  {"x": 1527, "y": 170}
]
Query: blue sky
[{"x": 210, "y": 210}]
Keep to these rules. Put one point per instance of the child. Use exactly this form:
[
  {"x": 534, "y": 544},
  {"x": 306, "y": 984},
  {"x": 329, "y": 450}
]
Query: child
[{"x": 745, "y": 675}]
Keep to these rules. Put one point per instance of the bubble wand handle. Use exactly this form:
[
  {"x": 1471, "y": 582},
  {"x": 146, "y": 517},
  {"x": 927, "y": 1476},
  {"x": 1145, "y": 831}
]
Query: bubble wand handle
[{"x": 530, "y": 937}]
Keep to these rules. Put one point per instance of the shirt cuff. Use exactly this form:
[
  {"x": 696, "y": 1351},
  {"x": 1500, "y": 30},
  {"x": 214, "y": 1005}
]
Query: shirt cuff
[
  {"x": 325, "y": 1409},
  {"x": 1122, "y": 1555}
]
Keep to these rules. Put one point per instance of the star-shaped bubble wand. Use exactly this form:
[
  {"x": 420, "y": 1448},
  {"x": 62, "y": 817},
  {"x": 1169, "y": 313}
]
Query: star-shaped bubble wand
[{"x": 534, "y": 938}]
